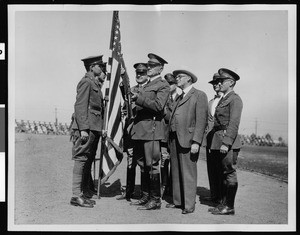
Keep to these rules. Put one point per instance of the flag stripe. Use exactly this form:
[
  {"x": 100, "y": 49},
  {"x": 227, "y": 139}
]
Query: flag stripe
[
  {"x": 116, "y": 124},
  {"x": 114, "y": 91}
]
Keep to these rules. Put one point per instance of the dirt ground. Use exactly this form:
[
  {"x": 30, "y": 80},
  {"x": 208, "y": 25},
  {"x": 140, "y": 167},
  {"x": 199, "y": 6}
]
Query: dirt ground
[{"x": 42, "y": 192}]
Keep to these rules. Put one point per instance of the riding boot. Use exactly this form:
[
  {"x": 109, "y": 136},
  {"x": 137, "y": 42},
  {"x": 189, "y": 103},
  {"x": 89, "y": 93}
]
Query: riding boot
[
  {"x": 130, "y": 183},
  {"x": 155, "y": 201},
  {"x": 223, "y": 195},
  {"x": 145, "y": 180},
  {"x": 228, "y": 209}
]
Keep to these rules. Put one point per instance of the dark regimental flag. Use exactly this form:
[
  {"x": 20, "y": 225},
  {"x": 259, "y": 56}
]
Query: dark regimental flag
[{"x": 113, "y": 153}]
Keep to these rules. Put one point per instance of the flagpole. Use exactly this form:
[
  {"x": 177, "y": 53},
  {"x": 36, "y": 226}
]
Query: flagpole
[{"x": 106, "y": 101}]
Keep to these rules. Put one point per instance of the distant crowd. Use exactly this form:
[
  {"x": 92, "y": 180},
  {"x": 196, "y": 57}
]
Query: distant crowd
[{"x": 35, "y": 127}]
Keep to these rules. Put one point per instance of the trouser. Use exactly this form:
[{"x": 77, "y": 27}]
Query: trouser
[
  {"x": 147, "y": 155},
  {"x": 83, "y": 154},
  {"x": 130, "y": 175},
  {"x": 215, "y": 176},
  {"x": 164, "y": 166},
  {"x": 229, "y": 184},
  {"x": 184, "y": 174}
]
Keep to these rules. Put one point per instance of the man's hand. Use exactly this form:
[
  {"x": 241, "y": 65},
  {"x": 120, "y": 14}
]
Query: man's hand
[
  {"x": 122, "y": 70},
  {"x": 84, "y": 136},
  {"x": 224, "y": 149},
  {"x": 195, "y": 148},
  {"x": 134, "y": 96}
]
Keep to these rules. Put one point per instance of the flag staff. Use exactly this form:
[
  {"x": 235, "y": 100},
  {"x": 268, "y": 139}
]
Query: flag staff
[{"x": 106, "y": 100}]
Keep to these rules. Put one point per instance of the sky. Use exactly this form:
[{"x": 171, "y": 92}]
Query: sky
[{"x": 47, "y": 45}]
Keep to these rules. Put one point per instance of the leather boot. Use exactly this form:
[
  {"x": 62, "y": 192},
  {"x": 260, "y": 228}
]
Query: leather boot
[
  {"x": 222, "y": 203},
  {"x": 155, "y": 202},
  {"x": 130, "y": 183},
  {"x": 228, "y": 209},
  {"x": 145, "y": 190}
]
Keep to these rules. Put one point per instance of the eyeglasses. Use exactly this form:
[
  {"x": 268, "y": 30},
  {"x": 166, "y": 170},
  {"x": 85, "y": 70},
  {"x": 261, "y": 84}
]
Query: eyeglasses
[
  {"x": 223, "y": 81},
  {"x": 179, "y": 76}
]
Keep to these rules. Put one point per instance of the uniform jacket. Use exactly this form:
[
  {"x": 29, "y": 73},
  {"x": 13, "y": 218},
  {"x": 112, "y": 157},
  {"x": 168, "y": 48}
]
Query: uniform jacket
[
  {"x": 190, "y": 117},
  {"x": 150, "y": 103},
  {"x": 89, "y": 107},
  {"x": 168, "y": 110},
  {"x": 210, "y": 122},
  {"x": 226, "y": 123}
]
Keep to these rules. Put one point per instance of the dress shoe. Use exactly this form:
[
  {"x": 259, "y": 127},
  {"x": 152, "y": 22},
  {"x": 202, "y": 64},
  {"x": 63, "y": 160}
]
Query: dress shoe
[
  {"x": 188, "y": 211},
  {"x": 224, "y": 211},
  {"x": 171, "y": 205},
  {"x": 90, "y": 201},
  {"x": 123, "y": 197},
  {"x": 140, "y": 202},
  {"x": 79, "y": 201},
  {"x": 151, "y": 205},
  {"x": 217, "y": 208}
]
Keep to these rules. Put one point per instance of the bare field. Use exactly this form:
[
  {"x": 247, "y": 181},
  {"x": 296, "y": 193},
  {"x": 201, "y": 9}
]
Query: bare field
[{"x": 42, "y": 191}]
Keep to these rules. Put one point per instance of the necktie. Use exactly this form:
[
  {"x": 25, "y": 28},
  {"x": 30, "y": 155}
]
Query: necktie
[{"x": 217, "y": 96}]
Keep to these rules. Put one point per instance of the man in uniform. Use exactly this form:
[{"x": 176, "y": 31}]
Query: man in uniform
[
  {"x": 223, "y": 140},
  {"x": 148, "y": 131},
  {"x": 166, "y": 181},
  {"x": 187, "y": 126},
  {"x": 141, "y": 79},
  {"x": 87, "y": 127},
  {"x": 213, "y": 165}
]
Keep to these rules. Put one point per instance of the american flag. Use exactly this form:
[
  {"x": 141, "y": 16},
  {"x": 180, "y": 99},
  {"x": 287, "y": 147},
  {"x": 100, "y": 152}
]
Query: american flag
[{"x": 113, "y": 154}]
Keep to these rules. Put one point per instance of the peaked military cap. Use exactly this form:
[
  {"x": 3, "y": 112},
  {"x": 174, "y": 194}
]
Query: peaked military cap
[
  {"x": 140, "y": 67},
  {"x": 216, "y": 77},
  {"x": 155, "y": 59},
  {"x": 228, "y": 74},
  {"x": 193, "y": 76},
  {"x": 93, "y": 60},
  {"x": 170, "y": 78}
]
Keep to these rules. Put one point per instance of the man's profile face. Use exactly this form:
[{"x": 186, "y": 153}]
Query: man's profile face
[
  {"x": 141, "y": 77},
  {"x": 154, "y": 69}
]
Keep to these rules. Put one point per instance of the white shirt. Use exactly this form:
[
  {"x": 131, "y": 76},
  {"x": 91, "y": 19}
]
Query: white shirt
[
  {"x": 215, "y": 103},
  {"x": 187, "y": 89}
]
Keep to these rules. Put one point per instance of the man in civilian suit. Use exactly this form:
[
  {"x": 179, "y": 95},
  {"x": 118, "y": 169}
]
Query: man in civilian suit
[
  {"x": 148, "y": 131},
  {"x": 223, "y": 140},
  {"x": 187, "y": 125}
]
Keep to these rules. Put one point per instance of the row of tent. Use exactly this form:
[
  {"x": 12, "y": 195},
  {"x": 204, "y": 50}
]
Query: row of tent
[
  {"x": 262, "y": 140},
  {"x": 38, "y": 127}
]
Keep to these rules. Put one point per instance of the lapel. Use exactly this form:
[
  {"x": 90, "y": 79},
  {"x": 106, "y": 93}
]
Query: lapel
[
  {"x": 224, "y": 99},
  {"x": 151, "y": 83},
  {"x": 187, "y": 96}
]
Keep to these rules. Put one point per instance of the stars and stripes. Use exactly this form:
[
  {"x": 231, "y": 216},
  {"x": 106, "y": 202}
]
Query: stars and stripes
[{"x": 113, "y": 154}]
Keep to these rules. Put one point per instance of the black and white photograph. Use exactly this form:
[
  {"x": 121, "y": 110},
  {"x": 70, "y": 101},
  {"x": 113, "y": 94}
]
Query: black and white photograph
[{"x": 151, "y": 117}]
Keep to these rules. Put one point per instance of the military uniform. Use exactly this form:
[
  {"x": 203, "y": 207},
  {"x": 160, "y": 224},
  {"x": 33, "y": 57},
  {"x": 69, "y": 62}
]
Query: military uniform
[
  {"x": 88, "y": 116},
  {"x": 147, "y": 132},
  {"x": 166, "y": 180},
  {"x": 225, "y": 133},
  {"x": 213, "y": 165},
  {"x": 141, "y": 68}
]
